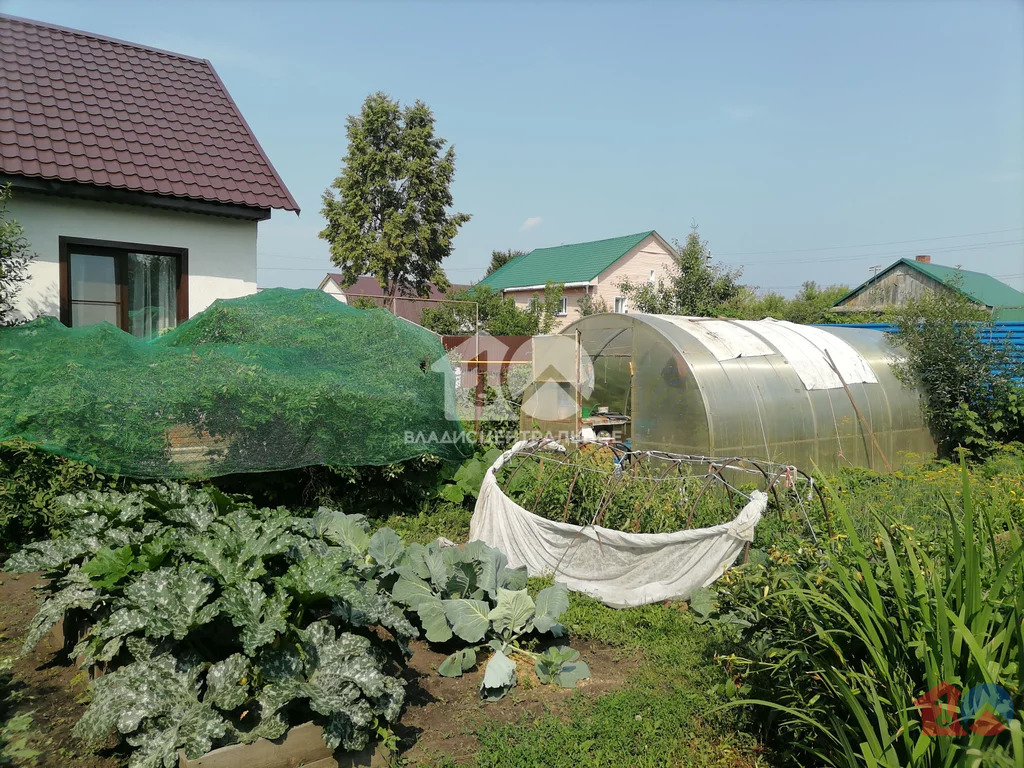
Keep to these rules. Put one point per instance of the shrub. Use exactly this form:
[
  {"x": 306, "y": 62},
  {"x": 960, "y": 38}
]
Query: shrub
[
  {"x": 841, "y": 647},
  {"x": 31, "y": 482},
  {"x": 972, "y": 384},
  {"x": 15, "y": 258}
]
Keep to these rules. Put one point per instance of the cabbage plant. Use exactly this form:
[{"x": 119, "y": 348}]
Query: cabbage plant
[{"x": 471, "y": 596}]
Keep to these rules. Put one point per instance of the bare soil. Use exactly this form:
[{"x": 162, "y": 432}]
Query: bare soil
[
  {"x": 47, "y": 684},
  {"x": 440, "y": 717}
]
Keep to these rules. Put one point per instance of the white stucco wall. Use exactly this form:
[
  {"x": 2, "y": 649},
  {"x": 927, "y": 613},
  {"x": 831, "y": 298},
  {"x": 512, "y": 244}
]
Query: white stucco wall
[
  {"x": 331, "y": 287},
  {"x": 221, "y": 251}
]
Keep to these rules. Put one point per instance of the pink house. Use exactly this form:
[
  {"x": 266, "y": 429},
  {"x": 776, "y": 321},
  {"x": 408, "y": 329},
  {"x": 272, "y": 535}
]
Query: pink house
[{"x": 593, "y": 269}]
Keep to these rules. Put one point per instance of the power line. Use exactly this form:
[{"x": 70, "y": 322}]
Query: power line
[
  {"x": 870, "y": 245},
  {"x": 867, "y": 256}
]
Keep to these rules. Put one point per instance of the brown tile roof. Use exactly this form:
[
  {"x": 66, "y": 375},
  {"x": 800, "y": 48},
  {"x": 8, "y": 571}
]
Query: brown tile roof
[
  {"x": 406, "y": 307},
  {"x": 83, "y": 108}
]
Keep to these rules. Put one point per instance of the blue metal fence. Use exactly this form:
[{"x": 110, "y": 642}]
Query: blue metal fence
[{"x": 1002, "y": 332}]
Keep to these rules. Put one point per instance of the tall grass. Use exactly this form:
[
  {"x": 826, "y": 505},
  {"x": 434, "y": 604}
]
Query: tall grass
[{"x": 839, "y": 654}]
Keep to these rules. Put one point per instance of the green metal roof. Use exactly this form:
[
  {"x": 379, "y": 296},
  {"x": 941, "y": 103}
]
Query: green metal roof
[
  {"x": 575, "y": 263},
  {"x": 976, "y": 286}
]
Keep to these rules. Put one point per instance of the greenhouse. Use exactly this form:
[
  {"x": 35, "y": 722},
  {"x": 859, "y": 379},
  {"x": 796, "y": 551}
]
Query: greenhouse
[{"x": 809, "y": 396}]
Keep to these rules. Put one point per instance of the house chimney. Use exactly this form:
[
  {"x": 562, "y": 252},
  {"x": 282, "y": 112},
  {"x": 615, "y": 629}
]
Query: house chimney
[{"x": 924, "y": 259}]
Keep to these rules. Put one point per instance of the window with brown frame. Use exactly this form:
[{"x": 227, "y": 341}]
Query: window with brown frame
[{"x": 142, "y": 289}]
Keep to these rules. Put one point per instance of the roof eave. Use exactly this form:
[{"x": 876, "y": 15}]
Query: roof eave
[
  {"x": 103, "y": 194},
  {"x": 575, "y": 284}
]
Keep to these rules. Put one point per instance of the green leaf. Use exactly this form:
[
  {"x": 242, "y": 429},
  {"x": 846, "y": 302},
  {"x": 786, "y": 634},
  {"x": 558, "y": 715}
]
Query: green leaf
[
  {"x": 499, "y": 677},
  {"x": 469, "y": 618},
  {"x": 463, "y": 581},
  {"x": 386, "y": 548},
  {"x": 412, "y": 591},
  {"x": 75, "y": 592},
  {"x": 260, "y": 618},
  {"x": 552, "y": 602},
  {"x": 702, "y": 601},
  {"x": 108, "y": 566},
  {"x": 226, "y": 682},
  {"x": 453, "y": 493},
  {"x": 561, "y": 666},
  {"x": 344, "y": 530},
  {"x": 514, "y": 612},
  {"x": 459, "y": 662},
  {"x": 434, "y": 620},
  {"x": 171, "y": 601},
  {"x": 317, "y": 577}
]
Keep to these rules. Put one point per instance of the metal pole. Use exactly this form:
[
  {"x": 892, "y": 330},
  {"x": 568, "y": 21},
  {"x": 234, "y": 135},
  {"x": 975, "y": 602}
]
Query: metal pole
[{"x": 579, "y": 399}]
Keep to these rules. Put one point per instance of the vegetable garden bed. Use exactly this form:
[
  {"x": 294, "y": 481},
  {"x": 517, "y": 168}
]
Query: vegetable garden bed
[{"x": 439, "y": 719}]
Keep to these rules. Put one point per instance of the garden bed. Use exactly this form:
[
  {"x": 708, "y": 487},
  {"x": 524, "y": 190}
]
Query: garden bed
[{"x": 439, "y": 719}]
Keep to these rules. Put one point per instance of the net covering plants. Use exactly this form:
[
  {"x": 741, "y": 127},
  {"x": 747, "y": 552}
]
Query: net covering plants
[{"x": 278, "y": 380}]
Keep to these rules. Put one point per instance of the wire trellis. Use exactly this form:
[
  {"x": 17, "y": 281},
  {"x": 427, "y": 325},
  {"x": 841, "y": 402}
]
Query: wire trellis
[{"x": 627, "y": 464}]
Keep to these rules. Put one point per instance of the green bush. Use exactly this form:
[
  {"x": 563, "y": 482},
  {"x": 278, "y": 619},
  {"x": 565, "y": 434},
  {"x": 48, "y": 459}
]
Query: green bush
[
  {"x": 839, "y": 645},
  {"x": 31, "y": 482},
  {"x": 973, "y": 395}
]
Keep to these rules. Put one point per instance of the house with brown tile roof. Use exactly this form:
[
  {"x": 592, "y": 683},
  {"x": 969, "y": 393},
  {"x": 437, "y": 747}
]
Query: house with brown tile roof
[
  {"x": 367, "y": 287},
  {"x": 138, "y": 182}
]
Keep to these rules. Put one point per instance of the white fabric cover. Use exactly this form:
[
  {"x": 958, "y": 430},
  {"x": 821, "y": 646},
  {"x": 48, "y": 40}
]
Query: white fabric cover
[
  {"x": 722, "y": 338},
  {"x": 804, "y": 347},
  {"x": 620, "y": 569}
]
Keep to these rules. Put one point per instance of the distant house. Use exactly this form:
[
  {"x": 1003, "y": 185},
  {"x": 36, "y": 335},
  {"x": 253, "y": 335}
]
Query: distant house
[
  {"x": 912, "y": 278},
  {"x": 137, "y": 180},
  {"x": 367, "y": 287},
  {"x": 595, "y": 269}
]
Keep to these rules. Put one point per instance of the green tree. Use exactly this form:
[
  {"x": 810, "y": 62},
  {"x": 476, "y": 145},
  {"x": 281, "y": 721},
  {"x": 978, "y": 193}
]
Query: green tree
[
  {"x": 14, "y": 258},
  {"x": 694, "y": 286},
  {"x": 500, "y": 258},
  {"x": 499, "y": 316},
  {"x": 363, "y": 302},
  {"x": 813, "y": 304},
  {"x": 971, "y": 381},
  {"x": 588, "y": 306},
  {"x": 388, "y": 212}
]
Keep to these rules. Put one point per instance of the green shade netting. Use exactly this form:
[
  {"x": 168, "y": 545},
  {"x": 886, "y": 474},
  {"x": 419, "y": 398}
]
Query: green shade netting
[{"x": 281, "y": 379}]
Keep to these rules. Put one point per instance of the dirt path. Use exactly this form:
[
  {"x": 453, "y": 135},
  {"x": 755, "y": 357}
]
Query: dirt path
[{"x": 439, "y": 719}]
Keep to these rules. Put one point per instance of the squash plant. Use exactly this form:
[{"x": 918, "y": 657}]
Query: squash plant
[
  {"x": 219, "y": 623},
  {"x": 473, "y": 596}
]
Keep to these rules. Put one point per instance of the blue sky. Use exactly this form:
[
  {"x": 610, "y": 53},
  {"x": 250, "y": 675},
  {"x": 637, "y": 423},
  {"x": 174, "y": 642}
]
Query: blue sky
[{"x": 809, "y": 140}]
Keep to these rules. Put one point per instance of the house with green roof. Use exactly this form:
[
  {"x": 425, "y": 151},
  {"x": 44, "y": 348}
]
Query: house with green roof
[
  {"x": 593, "y": 269},
  {"x": 912, "y": 278}
]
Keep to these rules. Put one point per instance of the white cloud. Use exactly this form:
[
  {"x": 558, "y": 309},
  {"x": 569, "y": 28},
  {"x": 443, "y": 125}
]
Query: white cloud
[{"x": 531, "y": 223}]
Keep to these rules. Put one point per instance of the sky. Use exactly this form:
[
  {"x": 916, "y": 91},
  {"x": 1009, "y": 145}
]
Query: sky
[{"x": 807, "y": 140}]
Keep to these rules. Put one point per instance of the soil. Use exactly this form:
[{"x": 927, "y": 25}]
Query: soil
[
  {"x": 45, "y": 682},
  {"x": 440, "y": 717}
]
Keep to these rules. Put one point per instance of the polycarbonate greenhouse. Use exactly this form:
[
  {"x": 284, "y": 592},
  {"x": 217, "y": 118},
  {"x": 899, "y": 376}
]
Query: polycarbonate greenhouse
[{"x": 811, "y": 396}]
